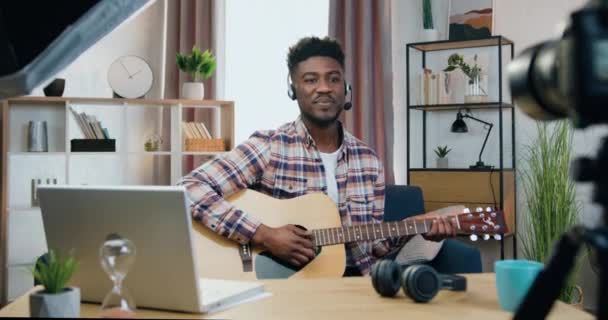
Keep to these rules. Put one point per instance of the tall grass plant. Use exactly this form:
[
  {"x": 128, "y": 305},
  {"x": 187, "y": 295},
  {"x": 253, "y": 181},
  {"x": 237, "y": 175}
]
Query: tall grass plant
[{"x": 551, "y": 205}]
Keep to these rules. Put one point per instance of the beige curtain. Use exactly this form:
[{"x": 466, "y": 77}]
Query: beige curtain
[
  {"x": 363, "y": 27},
  {"x": 189, "y": 23}
]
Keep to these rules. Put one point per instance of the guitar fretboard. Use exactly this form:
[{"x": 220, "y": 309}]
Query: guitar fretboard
[{"x": 373, "y": 231}]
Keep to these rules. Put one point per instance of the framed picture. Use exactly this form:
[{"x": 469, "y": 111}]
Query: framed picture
[{"x": 470, "y": 19}]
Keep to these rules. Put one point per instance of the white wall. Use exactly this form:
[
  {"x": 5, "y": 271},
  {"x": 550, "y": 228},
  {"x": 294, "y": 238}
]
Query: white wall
[{"x": 258, "y": 35}]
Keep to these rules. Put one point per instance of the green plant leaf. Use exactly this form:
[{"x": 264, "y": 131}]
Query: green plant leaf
[
  {"x": 450, "y": 68},
  {"x": 55, "y": 274},
  {"x": 551, "y": 207},
  {"x": 197, "y": 63},
  {"x": 442, "y": 151}
]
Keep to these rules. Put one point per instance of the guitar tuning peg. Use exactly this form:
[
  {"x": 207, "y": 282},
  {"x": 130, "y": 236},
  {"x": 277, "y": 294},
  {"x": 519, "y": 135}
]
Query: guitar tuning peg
[
  {"x": 479, "y": 209},
  {"x": 496, "y": 227},
  {"x": 493, "y": 214},
  {"x": 497, "y": 237},
  {"x": 486, "y": 237},
  {"x": 466, "y": 210},
  {"x": 489, "y": 209},
  {"x": 473, "y": 237}
]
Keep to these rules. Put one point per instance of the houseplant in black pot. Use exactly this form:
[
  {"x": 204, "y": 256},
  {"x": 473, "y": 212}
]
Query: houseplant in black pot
[{"x": 55, "y": 300}]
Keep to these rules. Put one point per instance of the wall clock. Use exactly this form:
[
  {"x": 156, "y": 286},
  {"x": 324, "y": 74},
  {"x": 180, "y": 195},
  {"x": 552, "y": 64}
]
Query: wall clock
[{"x": 130, "y": 77}]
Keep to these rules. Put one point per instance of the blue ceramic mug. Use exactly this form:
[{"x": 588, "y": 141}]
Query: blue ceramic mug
[{"x": 513, "y": 279}]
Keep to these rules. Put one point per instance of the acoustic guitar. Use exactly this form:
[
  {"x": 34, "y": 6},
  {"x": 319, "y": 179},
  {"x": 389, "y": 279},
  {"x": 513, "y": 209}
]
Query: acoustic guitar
[{"x": 219, "y": 257}]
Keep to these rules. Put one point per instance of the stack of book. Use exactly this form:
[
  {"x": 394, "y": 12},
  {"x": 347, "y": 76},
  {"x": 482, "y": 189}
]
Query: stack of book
[
  {"x": 435, "y": 88},
  {"x": 195, "y": 130},
  {"x": 198, "y": 138},
  {"x": 89, "y": 125}
]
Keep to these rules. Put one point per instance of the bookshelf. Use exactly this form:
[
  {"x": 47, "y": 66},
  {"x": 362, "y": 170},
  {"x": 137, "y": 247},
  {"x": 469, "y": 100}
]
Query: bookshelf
[
  {"x": 130, "y": 122},
  {"x": 428, "y": 125}
]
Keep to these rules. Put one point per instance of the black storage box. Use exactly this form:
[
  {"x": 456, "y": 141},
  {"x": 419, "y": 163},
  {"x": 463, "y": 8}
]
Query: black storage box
[{"x": 93, "y": 145}]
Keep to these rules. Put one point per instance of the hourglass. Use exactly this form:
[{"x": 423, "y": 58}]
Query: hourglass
[{"x": 117, "y": 254}]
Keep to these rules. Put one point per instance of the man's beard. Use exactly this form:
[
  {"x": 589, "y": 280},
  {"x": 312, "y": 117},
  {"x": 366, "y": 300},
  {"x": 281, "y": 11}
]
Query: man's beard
[{"x": 323, "y": 123}]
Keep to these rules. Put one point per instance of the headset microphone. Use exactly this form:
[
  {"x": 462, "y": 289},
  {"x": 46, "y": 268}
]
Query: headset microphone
[{"x": 349, "y": 104}]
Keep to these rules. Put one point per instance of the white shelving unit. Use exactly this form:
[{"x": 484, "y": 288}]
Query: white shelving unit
[{"x": 129, "y": 121}]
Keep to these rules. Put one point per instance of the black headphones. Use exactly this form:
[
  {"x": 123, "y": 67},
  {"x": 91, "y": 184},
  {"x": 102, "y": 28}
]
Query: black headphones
[
  {"x": 420, "y": 282},
  {"x": 291, "y": 92}
]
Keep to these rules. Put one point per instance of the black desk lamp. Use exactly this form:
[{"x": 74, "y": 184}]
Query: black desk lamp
[{"x": 460, "y": 126}]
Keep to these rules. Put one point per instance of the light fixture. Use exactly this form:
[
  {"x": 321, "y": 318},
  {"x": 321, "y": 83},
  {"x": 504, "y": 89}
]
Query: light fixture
[{"x": 459, "y": 126}]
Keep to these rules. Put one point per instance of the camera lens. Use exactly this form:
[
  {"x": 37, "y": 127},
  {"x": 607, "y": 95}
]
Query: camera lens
[{"x": 535, "y": 84}]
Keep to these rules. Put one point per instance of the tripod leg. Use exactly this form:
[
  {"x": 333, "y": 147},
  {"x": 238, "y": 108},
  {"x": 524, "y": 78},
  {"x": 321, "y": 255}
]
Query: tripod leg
[
  {"x": 548, "y": 283},
  {"x": 599, "y": 241}
]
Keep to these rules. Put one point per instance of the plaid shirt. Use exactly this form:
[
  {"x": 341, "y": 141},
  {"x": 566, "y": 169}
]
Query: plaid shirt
[{"x": 285, "y": 163}]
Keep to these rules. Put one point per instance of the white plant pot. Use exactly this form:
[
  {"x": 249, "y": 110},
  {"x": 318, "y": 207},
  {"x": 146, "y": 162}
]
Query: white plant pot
[
  {"x": 442, "y": 163},
  {"x": 427, "y": 35},
  {"x": 193, "y": 91},
  {"x": 60, "y": 305}
]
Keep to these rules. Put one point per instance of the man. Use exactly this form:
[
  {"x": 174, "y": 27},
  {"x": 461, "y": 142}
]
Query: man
[{"x": 312, "y": 154}]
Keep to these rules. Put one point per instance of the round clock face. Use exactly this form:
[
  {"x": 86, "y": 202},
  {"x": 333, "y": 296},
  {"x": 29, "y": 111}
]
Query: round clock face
[{"x": 130, "y": 77}]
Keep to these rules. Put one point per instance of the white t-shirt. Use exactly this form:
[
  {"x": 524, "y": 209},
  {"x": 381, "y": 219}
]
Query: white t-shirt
[{"x": 330, "y": 162}]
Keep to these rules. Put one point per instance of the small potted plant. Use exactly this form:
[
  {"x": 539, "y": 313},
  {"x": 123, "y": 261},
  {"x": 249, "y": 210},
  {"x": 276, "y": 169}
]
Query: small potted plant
[
  {"x": 429, "y": 33},
  {"x": 474, "y": 90},
  {"x": 153, "y": 143},
  {"x": 197, "y": 65},
  {"x": 56, "y": 300},
  {"x": 442, "y": 152}
]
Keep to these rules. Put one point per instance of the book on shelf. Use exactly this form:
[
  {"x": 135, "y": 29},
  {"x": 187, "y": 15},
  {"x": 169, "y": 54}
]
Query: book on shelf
[
  {"x": 436, "y": 88},
  {"x": 201, "y": 127},
  {"x": 89, "y": 126},
  {"x": 198, "y": 129},
  {"x": 195, "y": 130}
]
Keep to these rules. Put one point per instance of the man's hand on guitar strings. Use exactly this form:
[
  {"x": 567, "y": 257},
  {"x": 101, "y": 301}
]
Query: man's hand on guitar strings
[
  {"x": 442, "y": 227},
  {"x": 288, "y": 243}
]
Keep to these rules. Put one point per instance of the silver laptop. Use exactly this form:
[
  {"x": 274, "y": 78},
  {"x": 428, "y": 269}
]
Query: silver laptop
[{"x": 157, "y": 220}]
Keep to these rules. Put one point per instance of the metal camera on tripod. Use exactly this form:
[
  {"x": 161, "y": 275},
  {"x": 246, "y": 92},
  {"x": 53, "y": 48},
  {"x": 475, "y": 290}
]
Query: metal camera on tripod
[{"x": 568, "y": 78}]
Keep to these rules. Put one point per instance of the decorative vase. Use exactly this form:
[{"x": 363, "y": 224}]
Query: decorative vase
[
  {"x": 193, "y": 91},
  {"x": 428, "y": 35},
  {"x": 442, "y": 162},
  {"x": 475, "y": 91},
  {"x": 55, "y": 88},
  {"x": 65, "y": 304}
]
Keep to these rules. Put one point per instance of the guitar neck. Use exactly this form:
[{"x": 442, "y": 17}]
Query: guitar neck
[{"x": 373, "y": 231}]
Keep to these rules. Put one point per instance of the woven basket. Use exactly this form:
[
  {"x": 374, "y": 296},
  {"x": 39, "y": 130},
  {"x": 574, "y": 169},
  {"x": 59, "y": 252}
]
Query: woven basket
[{"x": 205, "y": 145}]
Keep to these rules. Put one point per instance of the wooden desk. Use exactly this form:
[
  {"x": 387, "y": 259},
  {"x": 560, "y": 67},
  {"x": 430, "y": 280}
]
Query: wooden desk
[{"x": 348, "y": 298}]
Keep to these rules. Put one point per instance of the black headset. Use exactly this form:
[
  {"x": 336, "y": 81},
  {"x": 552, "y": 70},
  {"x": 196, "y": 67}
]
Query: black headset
[
  {"x": 420, "y": 282},
  {"x": 291, "y": 92}
]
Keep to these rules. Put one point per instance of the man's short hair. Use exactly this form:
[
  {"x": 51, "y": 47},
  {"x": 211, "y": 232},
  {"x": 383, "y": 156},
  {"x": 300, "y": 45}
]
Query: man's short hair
[{"x": 314, "y": 47}]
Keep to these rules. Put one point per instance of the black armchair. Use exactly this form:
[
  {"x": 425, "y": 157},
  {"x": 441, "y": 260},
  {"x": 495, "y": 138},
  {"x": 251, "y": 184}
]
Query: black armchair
[{"x": 455, "y": 256}]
